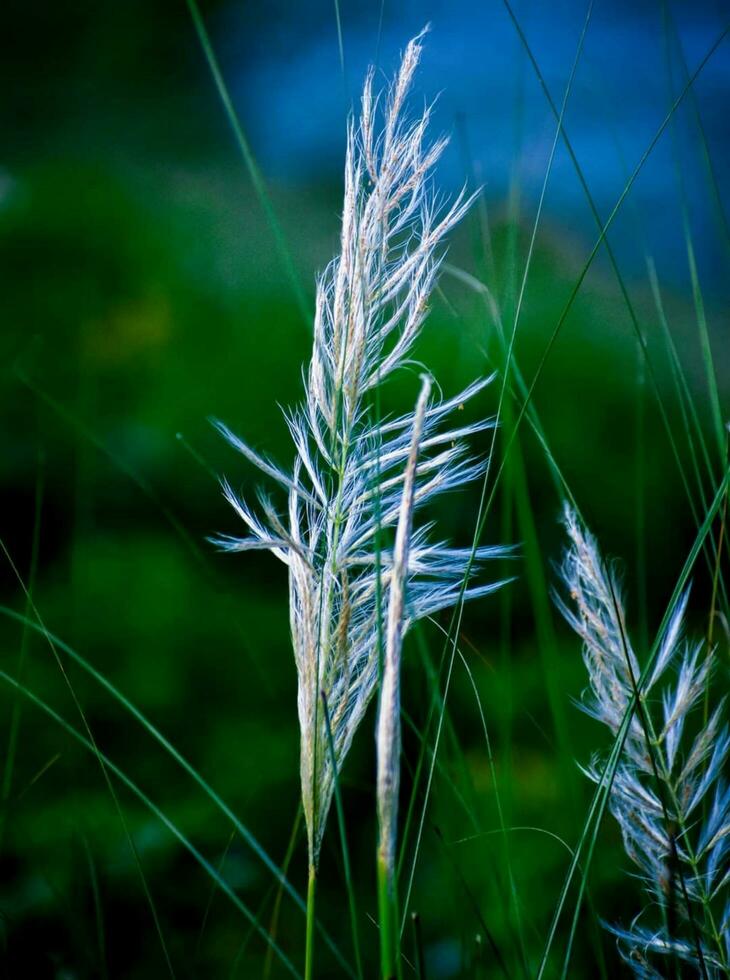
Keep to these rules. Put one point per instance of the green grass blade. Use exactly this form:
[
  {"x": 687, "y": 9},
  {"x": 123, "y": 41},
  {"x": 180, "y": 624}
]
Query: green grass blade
[
  {"x": 98, "y": 910},
  {"x": 12, "y": 746},
  {"x": 719, "y": 209},
  {"x": 274, "y": 921},
  {"x": 153, "y": 808},
  {"x": 100, "y": 759},
  {"x": 150, "y": 728},
  {"x": 251, "y": 165},
  {"x": 352, "y": 901},
  {"x": 514, "y": 897},
  {"x": 485, "y": 506},
  {"x": 74, "y": 422},
  {"x": 211, "y": 895},
  {"x": 340, "y": 44},
  {"x": 602, "y": 229}
]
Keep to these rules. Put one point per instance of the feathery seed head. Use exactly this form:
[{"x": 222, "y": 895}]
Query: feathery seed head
[
  {"x": 353, "y": 472},
  {"x": 668, "y": 792}
]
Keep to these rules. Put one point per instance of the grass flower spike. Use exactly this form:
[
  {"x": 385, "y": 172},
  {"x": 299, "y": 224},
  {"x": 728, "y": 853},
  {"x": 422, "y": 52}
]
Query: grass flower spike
[
  {"x": 351, "y": 473},
  {"x": 668, "y": 794}
]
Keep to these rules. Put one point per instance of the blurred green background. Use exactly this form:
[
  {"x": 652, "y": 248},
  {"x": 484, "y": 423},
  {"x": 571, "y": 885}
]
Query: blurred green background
[{"x": 143, "y": 292}]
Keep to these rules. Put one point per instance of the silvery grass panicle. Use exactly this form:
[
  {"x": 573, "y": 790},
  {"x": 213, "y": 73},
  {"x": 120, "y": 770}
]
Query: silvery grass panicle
[
  {"x": 346, "y": 483},
  {"x": 669, "y": 793}
]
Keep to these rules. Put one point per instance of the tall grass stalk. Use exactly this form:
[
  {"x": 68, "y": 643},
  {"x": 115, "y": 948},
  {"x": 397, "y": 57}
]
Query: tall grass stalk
[{"x": 349, "y": 478}]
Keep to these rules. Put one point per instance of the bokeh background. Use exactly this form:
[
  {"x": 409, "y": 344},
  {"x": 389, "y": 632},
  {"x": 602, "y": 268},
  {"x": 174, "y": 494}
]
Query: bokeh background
[{"x": 149, "y": 283}]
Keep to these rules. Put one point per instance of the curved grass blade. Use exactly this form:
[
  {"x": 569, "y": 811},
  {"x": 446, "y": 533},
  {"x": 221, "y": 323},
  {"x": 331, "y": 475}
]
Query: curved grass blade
[
  {"x": 161, "y": 816},
  {"x": 352, "y": 902},
  {"x": 619, "y": 278},
  {"x": 690, "y": 417},
  {"x": 513, "y": 893},
  {"x": 248, "y": 157},
  {"x": 15, "y": 714},
  {"x": 100, "y": 759},
  {"x": 211, "y": 895},
  {"x": 719, "y": 210},
  {"x": 180, "y": 529},
  {"x": 481, "y": 518},
  {"x": 697, "y": 295},
  {"x": 98, "y": 910},
  {"x": 241, "y": 829},
  {"x": 74, "y": 422},
  {"x": 274, "y": 920},
  {"x": 487, "y": 500},
  {"x": 603, "y": 229}
]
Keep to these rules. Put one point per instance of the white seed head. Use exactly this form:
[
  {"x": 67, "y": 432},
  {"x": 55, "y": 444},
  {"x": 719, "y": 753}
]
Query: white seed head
[
  {"x": 669, "y": 792},
  {"x": 352, "y": 472}
]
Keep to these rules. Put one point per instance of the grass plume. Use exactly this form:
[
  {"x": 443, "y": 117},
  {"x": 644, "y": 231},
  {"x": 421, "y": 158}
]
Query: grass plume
[
  {"x": 351, "y": 474},
  {"x": 669, "y": 794}
]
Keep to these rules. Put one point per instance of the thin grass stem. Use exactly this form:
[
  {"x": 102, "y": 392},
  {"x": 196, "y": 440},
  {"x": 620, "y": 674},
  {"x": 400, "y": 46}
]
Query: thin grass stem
[
  {"x": 251, "y": 165},
  {"x": 309, "y": 938},
  {"x": 351, "y": 897}
]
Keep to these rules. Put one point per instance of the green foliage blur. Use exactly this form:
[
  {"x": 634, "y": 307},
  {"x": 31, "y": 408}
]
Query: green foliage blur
[{"x": 142, "y": 294}]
